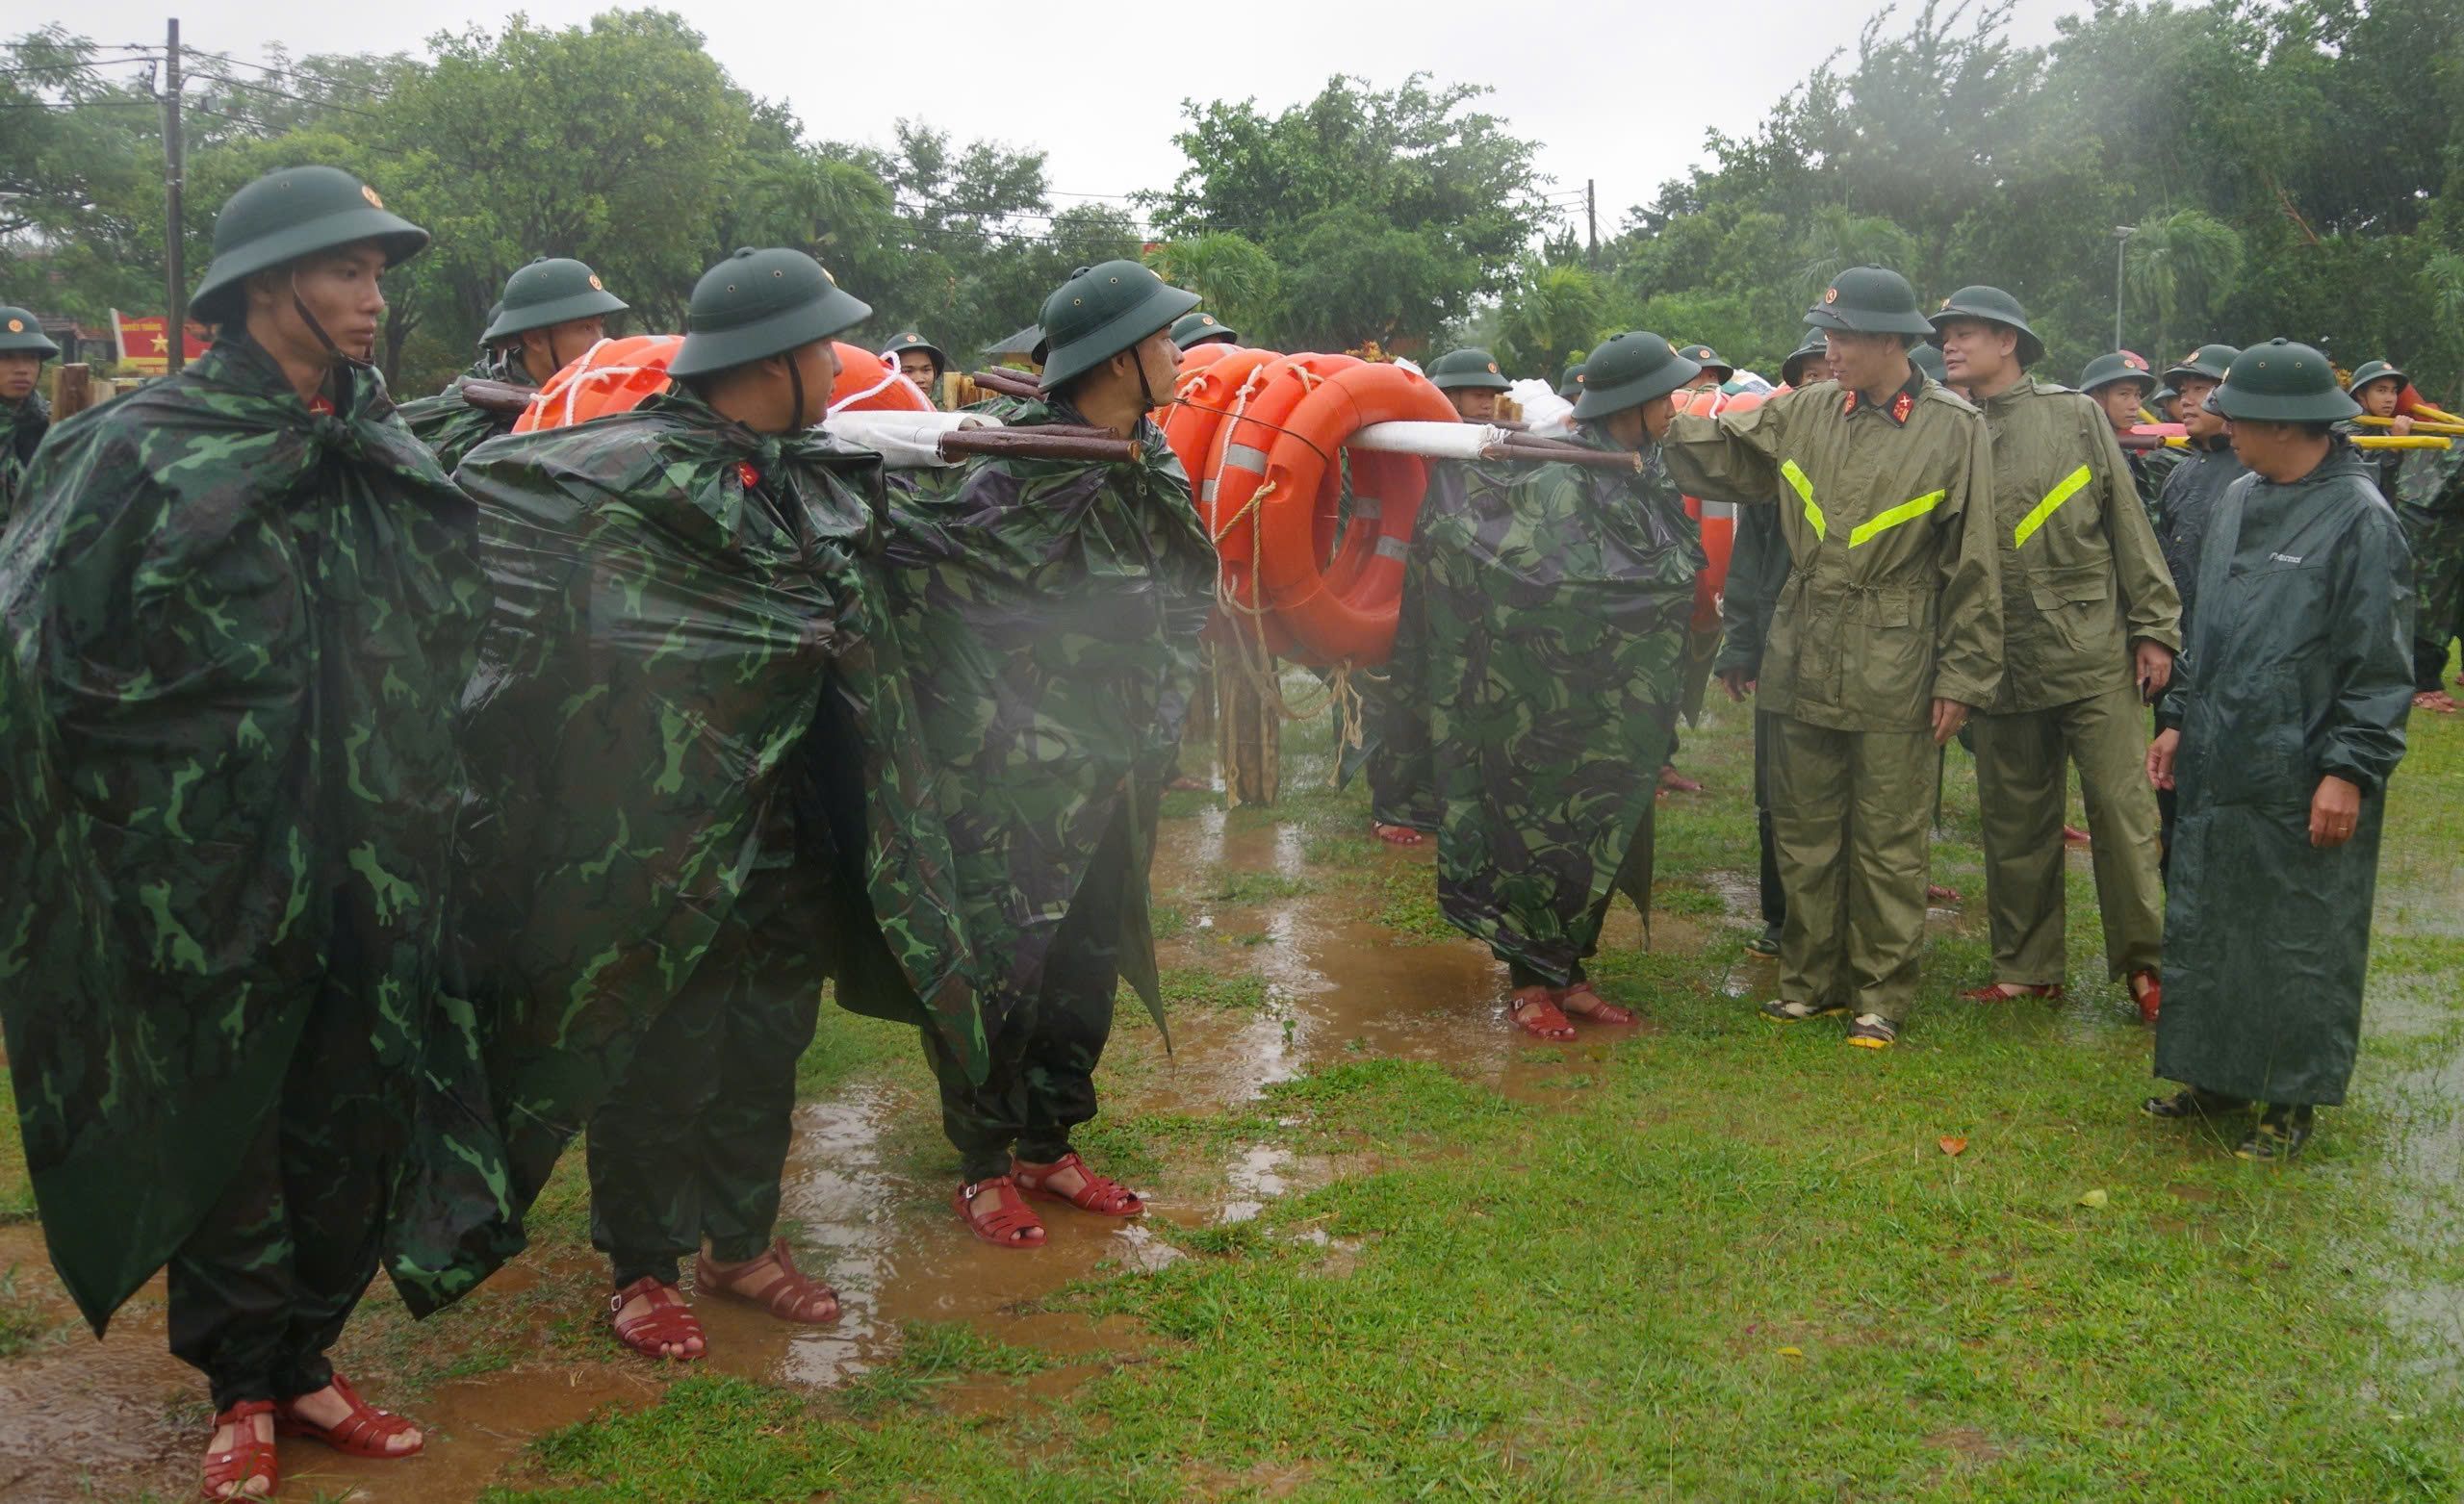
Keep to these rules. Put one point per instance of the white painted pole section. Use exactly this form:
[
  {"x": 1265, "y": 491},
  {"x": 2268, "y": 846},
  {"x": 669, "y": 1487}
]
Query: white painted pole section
[
  {"x": 1431, "y": 441},
  {"x": 905, "y": 441}
]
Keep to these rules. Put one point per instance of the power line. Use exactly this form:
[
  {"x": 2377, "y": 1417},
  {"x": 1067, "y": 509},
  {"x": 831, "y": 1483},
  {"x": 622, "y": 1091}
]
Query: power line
[{"x": 326, "y": 80}]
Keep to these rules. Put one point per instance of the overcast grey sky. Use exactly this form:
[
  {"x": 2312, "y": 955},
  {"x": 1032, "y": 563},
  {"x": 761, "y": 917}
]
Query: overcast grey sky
[{"x": 1621, "y": 93}]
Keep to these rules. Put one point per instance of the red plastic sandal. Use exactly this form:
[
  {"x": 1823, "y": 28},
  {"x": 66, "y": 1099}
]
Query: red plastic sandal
[
  {"x": 2012, "y": 991},
  {"x": 230, "y": 1472},
  {"x": 1101, "y": 1194},
  {"x": 793, "y": 1296},
  {"x": 1601, "y": 1012},
  {"x": 1010, "y": 1224},
  {"x": 1535, "y": 1012},
  {"x": 2148, "y": 990},
  {"x": 668, "y": 1323},
  {"x": 1398, "y": 834},
  {"x": 363, "y": 1433}
]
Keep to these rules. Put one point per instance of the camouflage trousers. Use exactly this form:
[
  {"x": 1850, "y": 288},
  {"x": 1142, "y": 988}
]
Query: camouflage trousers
[
  {"x": 692, "y": 1142},
  {"x": 262, "y": 1286},
  {"x": 1633, "y": 879},
  {"x": 1043, "y": 1080},
  {"x": 2436, "y": 540}
]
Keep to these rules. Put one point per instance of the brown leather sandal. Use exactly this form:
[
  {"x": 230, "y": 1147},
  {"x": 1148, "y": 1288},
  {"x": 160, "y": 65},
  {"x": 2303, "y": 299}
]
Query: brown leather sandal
[
  {"x": 793, "y": 1296},
  {"x": 668, "y": 1323},
  {"x": 229, "y": 1472}
]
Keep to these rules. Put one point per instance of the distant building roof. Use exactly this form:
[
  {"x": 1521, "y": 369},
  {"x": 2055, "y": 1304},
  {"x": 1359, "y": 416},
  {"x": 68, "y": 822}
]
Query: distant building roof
[{"x": 1021, "y": 343}]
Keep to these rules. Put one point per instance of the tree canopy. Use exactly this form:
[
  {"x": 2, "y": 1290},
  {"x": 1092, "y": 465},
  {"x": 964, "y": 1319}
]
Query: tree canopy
[{"x": 2281, "y": 166}]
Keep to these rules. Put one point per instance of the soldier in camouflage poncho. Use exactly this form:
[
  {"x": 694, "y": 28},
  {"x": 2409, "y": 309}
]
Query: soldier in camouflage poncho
[
  {"x": 1544, "y": 620},
  {"x": 553, "y": 310},
  {"x": 695, "y": 783},
  {"x": 24, "y": 415},
  {"x": 243, "y": 601},
  {"x": 1050, "y": 612}
]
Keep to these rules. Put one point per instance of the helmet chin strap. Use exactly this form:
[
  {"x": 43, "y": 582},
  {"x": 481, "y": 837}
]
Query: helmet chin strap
[{"x": 300, "y": 306}]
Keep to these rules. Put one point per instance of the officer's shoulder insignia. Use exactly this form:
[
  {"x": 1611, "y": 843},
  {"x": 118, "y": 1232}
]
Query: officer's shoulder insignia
[{"x": 1900, "y": 409}]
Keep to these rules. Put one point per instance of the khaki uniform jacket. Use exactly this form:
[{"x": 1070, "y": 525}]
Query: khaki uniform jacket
[
  {"x": 2082, "y": 575},
  {"x": 1891, "y": 599}
]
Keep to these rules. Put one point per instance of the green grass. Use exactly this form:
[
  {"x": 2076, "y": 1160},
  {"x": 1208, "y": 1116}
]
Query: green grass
[
  {"x": 1729, "y": 1262},
  {"x": 1726, "y": 1260}
]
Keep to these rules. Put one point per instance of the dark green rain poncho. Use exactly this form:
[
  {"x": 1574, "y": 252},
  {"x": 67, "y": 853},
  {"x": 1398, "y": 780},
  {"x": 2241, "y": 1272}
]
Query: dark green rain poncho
[
  {"x": 2298, "y": 666},
  {"x": 242, "y": 630},
  {"x": 1544, "y": 622},
  {"x": 2192, "y": 491},
  {"x": 450, "y": 425},
  {"x": 22, "y": 425},
  {"x": 1050, "y": 613},
  {"x": 688, "y": 675}
]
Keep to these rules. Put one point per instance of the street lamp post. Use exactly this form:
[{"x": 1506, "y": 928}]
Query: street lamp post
[{"x": 2121, "y": 238}]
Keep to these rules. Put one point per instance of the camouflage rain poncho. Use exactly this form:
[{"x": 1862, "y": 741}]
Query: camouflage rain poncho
[
  {"x": 687, "y": 677},
  {"x": 450, "y": 425},
  {"x": 1544, "y": 620},
  {"x": 22, "y": 425},
  {"x": 242, "y": 630},
  {"x": 1050, "y": 611}
]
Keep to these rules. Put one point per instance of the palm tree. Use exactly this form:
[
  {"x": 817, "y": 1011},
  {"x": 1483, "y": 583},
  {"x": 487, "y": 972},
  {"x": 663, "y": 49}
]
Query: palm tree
[
  {"x": 1837, "y": 237},
  {"x": 2181, "y": 265}
]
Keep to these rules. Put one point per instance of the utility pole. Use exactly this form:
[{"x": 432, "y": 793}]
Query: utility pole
[
  {"x": 176, "y": 310},
  {"x": 1591, "y": 217},
  {"x": 2121, "y": 238}
]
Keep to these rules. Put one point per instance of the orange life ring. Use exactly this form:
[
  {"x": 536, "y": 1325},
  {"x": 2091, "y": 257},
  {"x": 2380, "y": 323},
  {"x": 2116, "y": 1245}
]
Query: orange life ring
[
  {"x": 1718, "y": 519},
  {"x": 870, "y": 383},
  {"x": 1191, "y": 363},
  {"x": 1201, "y": 396},
  {"x": 1236, "y": 470},
  {"x": 1340, "y": 599},
  {"x": 611, "y": 376}
]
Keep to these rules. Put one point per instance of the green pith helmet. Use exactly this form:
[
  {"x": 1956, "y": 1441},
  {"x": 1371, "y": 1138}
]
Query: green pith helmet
[
  {"x": 551, "y": 291},
  {"x": 1794, "y": 366},
  {"x": 907, "y": 340},
  {"x": 20, "y": 330},
  {"x": 2162, "y": 395},
  {"x": 1466, "y": 370},
  {"x": 1570, "y": 385},
  {"x": 1869, "y": 300},
  {"x": 1929, "y": 359},
  {"x": 1101, "y": 311},
  {"x": 758, "y": 303},
  {"x": 287, "y": 214},
  {"x": 1191, "y": 330},
  {"x": 2371, "y": 370},
  {"x": 1707, "y": 358},
  {"x": 2120, "y": 366},
  {"x": 2211, "y": 361},
  {"x": 2281, "y": 382},
  {"x": 1994, "y": 306},
  {"x": 1628, "y": 370}
]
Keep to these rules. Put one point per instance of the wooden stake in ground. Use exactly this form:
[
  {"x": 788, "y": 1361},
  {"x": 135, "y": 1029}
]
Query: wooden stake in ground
[
  {"x": 74, "y": 391},
  {"x": 1248, "y": 724}
]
